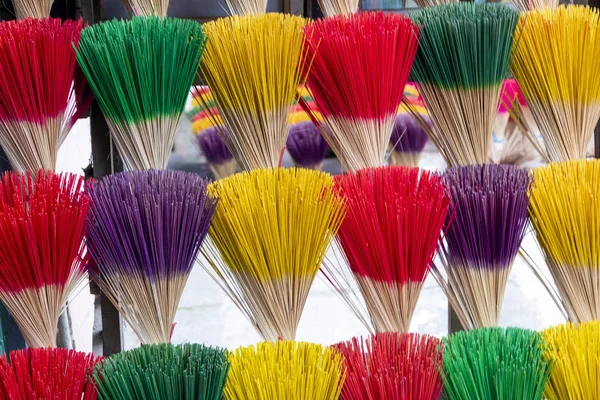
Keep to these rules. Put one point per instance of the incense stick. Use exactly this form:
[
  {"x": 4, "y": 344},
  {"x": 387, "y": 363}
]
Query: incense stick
[
  {"x": 268, "y": 239},
  {"x": 390, "y": 236},
  {"x": 392, "y": 366},
  {"x": 285, "y": 370},
  {"x": 145, "y": 231},
  {"x": 482, "y": 239},
  {"x": 359, "y": 66},
  {"x": 462, "y": 60},
  {"x": 252, "y": 66},
  {"x": 42, "y": 251},
  {"x": 141, "y": 72},
  {"x": 553, "y": 61},
  {"x": 42, "y": 94},
  {"x": 564, "y": 204}
]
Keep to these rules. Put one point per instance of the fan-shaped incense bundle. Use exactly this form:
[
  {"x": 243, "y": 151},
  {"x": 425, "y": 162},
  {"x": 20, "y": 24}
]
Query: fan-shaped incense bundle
[
  {"x": 285, "y": 370},
  {"x": 41, "y": 95},
  {"x": 306, "y": 145},
  {"x": 42, "y": 252},
  {"x": 407, "y": 141},
  {"x": 47, "y": 374},
  {"x": 360, "y": 64},
  {"x": 145, "y": 230},
  {"x": 483, "y": 238},
  {"x": 574, "y": 351},
  {"x": 459, "y": 68},
  {"x": 495, "y": 364},
  {"x": 221, "y": 161},
  {"x": 146, "y": 8},
  {"x": 392, "y": 366},
  {"x": 165, "y": 372},
  {"x": 141, "y": 72},
  {"x": 553, "y": 62},
  {"x": 565, "y": 198},
  {"x": 527, "y": 5},
  {"x": 268, "y": 239},
  {"x": 252, "y": 66},
  {"x": 390, "y": 235}
]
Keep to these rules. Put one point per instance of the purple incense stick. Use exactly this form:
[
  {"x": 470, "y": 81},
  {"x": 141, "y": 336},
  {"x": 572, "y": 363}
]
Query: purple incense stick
[
  {"x": 490, "y": 204},
  {"x": 213, "y": 147},
  {"x": 148, "y": 223},
  {"x": 306, "y": 144},
  {"x": 407, "y": 135}
]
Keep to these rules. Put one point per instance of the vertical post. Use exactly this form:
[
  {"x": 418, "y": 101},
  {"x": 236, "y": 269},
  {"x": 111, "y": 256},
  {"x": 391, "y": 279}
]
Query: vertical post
[{"x": 105, "y": 161}]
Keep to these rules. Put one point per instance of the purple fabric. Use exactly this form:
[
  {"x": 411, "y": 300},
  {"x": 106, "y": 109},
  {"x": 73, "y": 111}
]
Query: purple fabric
[
  {"x": 213, "y": 147},
  {"x": 490, "y": 204},
  {"x": 306, "y": 145},
  {"x": 407, "y": 135},
  {"x": 148, "y": 223}
]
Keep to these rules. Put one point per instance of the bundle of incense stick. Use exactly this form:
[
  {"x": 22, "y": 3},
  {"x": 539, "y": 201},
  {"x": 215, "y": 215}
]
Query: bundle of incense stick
[
  {"x": 554, "y": 64},
  {"x": 565, "y": 198},
  {"x": 407, "y": 141},
  {"x": 496, "y": 364},
  {"x": 145, "y": 230},
  {"x": 141, "y": 72},
  {"x": 306, "y": 145},
  {"x": 32, "y": 8},
  {"x": 41, "y": 94},
  {"x": 220, "y": 160},
  {"x": 433, "y": 3},
  {"x": 392, "y": 366},
  {"x": 268, "y": 239},
  {"x": 254, "y": 101},
  {"x": 285, "y": 370},
  {"x": 574, "y": 351},
  {"x": 247, "y": 7},
  {"x": 459, "y": 68},
  {"x": 483, "y": 238},
  {"x": 47, "y": 374},
  {"x": 165, "y": 372},
  {"x": 146, "y": 8},
  {"x": 42, "y": 252},
  {"x": 331, "y": 8},
  {"x": 390, "y": 236},
  {"x": 359, "y": 66}
]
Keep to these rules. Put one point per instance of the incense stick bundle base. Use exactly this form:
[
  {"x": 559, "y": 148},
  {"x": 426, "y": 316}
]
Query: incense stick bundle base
[
  {"x": 459, "y": 68},
  {"x": 32, "y": 8},
  {"x": 564, "y": 203},
  {"x": 389, "y": 237},
  {"x": 285, "y": 370},
  {"x": 268, "y": 239},
  {"x": 478, "y": 255},
  {"x": 161, "y": 218},
  {"x": 42, "y": 252}
]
